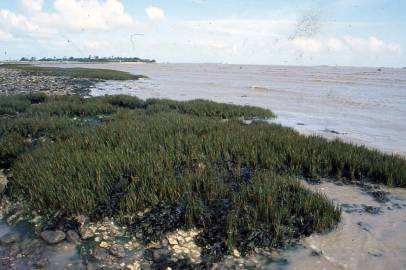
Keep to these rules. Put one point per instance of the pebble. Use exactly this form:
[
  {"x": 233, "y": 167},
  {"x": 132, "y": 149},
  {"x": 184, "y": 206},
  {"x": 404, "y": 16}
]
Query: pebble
[
  {"x": 134, "y": 266},
  {"x": 172, "y": 241},
  {"x": 188, "y": 239},
  {"x": 104, "y": 245},
  {"x": 315, "y": 251},
  {"x": 3, "y": 182},
  {"x": 86, "y": 233},
  {"x": 236, "y": 253}
]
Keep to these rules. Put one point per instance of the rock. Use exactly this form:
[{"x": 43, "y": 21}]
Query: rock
[
  {"x": 380, "y": 196},
  {"x": 195, "y": 255},
  {"x": 145, "y": 266},
  {"x": 86, "y": 233},
  {"x": 315, "y": 251},
  {"x": 53, "y": 237},
  {"x": 77, "y": 266},
  {"x": 117, "y": 251},
  {"x": 91, "y": 266},
  {"x": 9, "y": 238},
  {"x": 375, "y": 253},
  {"x": 69, "y": 224},
  {"x": 182, "y": 233},
  {"x": 104, "y": 245},
  {"x": 100, "y": 254},
  {"x": 73, "y": 237},
  {"x": 3, "y": 182},
  {"x": 313, "y": 181},
  {"x": 177, "y": 249},
  {"x": 181, "y": 240},
  {"x": 134, "y": 266},
  {"x": 40, "y": 263},
  {"x": 164, "y": 242},
  {"x": 102, "y": 228},
  {"x": 172, "y": 241},
  {"x": 236, "y": 253},
  {"x": 251, "y": 264},
  {"x": 188, "y": 239},
  {"x": 372, "y": 210},
  {"x": 160, "y": 254},
  {"x": 14, "y": 251},
  {"x": 364, "y": 226},
  {"x": 81, "y": 219}
]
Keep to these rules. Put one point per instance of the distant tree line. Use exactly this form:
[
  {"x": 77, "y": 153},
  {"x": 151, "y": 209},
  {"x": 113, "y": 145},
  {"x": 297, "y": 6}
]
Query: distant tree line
[{"x": 88, "y": 59}]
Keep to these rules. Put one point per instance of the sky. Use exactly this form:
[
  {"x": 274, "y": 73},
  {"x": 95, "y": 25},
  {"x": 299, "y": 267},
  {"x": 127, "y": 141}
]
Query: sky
[{"x": 266, "y": 32}]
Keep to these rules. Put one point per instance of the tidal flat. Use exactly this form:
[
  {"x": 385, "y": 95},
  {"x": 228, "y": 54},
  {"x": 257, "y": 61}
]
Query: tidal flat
[{"x": 159, "y": 183}]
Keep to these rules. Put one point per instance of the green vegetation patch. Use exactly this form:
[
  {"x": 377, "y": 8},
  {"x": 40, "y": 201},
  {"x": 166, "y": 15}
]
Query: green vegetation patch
[
  {"x": 118, "y": 155},
  {"x": 85, "y": 73}
]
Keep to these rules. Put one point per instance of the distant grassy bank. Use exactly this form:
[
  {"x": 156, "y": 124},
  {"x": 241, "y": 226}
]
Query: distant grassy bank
[
  {"x": 117, "y": 155},
  {"x": 87, "y": 73}
]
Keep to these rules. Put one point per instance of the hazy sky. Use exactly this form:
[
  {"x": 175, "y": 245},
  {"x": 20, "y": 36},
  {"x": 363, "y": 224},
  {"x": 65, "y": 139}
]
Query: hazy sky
[{"x": 333, "y": 32}]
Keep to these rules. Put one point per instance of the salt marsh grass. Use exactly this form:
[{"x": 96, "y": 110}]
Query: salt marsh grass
[{"x": 180, "y": 153}]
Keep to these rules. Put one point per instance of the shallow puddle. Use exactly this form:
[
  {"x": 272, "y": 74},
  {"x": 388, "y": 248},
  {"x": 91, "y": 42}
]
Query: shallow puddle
[{"x": 30, "y": 253}]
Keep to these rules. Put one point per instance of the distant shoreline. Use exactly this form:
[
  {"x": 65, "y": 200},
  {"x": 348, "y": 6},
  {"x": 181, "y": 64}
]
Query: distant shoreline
[
  {"x": 71, "y": 62},
  {"x": 190, "y": 63}
]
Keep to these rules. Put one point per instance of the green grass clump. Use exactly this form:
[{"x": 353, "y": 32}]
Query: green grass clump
[
  {"x": 182, "y": 153},
  {"x": 257, "y": 208},
  {"x": 74, "y": 106},
  {"x": 207, "y": 109},
  {"x": 11, "y": 146},
  {"x": 86, "y": 73},
  {"x": 12, "y": 105},
  {"x": 36, "y": 126},
  {"x": 124, "y": 101}
]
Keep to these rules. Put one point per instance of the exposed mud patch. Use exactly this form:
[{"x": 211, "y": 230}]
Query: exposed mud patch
[{"x": 370, "y": 236}]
